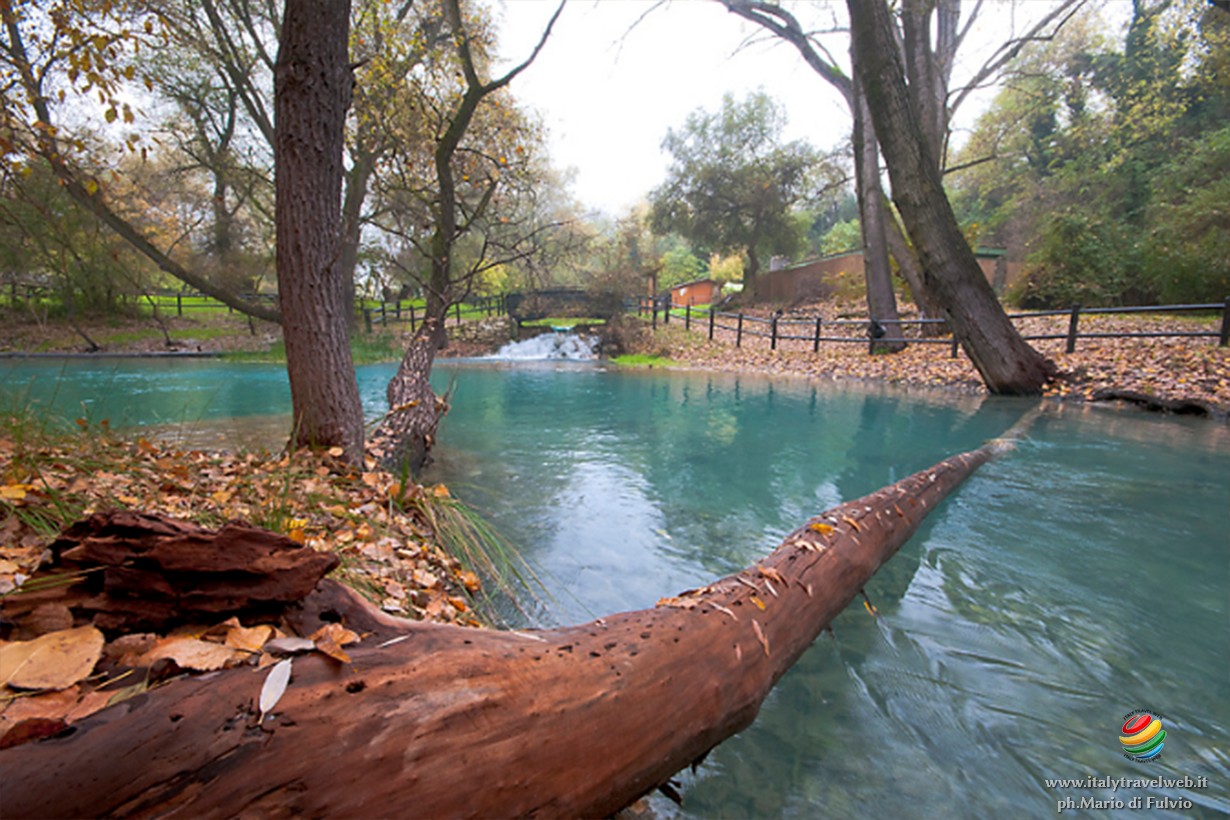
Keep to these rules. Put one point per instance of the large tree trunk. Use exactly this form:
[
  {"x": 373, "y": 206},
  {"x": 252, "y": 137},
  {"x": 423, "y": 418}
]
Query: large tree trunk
[
  {"x": 312, "y": 92},
  {"x": 881, "y": 299},
  {"x": 1005, "y": 361},
  {"x": 440, "y": 721}
]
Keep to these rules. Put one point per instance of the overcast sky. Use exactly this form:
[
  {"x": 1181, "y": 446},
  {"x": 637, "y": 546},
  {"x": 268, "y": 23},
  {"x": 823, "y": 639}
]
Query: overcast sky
[{"x": 608, "y": 87}]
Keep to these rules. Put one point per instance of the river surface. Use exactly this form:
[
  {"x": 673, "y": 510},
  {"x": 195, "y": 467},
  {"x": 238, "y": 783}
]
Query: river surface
[{"x": 1081, "y": 577}]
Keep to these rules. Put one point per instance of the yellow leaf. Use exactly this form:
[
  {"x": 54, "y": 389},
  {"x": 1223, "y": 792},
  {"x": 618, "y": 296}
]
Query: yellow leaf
[
  {"x": 221, "y": 496},
  {"x": 14, "y": 492},
  {"x": 440, "y": 491},
  {"x": 759, "y": 603},
  {"x": 336, "y": 452},
  {"x": 56, "y": 660},
  {"x": 821, "y": 527}
]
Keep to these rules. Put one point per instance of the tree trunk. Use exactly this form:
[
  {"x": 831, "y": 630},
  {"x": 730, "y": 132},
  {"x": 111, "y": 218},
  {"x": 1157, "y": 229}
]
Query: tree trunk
[
  {"x": 447, "y": 722},
  {"x": 313, "y": 86},
  {"x": 1005, "y": 361},
  {"x": 911, "y": 271},
  {"x": 357, "y": 179},
  {"x": 407, "y": 433},
  {"x": 881, "y": 299}
]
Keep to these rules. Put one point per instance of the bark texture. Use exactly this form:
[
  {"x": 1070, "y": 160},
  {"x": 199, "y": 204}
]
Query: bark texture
[
  {"x": 407, "y": 432},
  {"x": 440, "y": 721},
  {"x": 881, "y": 299},
  {"x": 150, "y": 573},
  {"x": 1005, "y": 361},
  {"x": 313, "y": 83}
]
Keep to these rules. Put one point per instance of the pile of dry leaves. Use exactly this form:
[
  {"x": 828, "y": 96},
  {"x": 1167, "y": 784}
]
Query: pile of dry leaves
[{"x": 55, "y": 668}]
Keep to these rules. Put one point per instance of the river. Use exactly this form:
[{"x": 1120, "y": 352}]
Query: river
[{"x": 1084, "y": 576}]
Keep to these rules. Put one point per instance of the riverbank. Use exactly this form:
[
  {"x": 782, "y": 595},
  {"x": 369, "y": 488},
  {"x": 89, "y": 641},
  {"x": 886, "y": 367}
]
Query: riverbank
[
  {"x": 1182, "y": 372},
  {"x": 391, "y": 537},
  {"x": 1177, "y": 370}
]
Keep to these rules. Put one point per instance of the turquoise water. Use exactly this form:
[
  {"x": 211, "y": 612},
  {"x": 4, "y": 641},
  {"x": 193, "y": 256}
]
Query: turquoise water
[{"x": 1083, "y": 576}]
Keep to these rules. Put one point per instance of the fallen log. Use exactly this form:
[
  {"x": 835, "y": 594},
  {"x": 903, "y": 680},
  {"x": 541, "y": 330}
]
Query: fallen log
[{"x": 438, "y": 721}]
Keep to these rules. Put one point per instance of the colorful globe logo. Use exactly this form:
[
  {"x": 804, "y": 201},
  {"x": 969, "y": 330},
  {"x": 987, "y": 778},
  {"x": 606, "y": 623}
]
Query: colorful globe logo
[{"x": 1143, "y": 736}]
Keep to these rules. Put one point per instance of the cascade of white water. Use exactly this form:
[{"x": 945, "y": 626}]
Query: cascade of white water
[{"x": 550, "y": 346}]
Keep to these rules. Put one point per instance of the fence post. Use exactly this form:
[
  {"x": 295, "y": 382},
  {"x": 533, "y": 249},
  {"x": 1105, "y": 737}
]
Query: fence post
[
  {"x": 815, "y": 342},
  {"x": 1225, "y": 324},
  {"x": 711, "y": 315},
  {"x": 687, "y": 316},
  {"x": 179, "y": 304},
  {"x": 411, "y": 317},
  {"x": 666, "y": 317},
  {"x": 1072, "y": 324},
  {"x": 739, "y": 332},
  {"x": 773, "y": 334},
  {"x": 384, "y": 319},
  {"x": 397, "y": 310},
  {"x": 367, "y": 319},
  {"x": 956, "y": 345},
  {"x": 654, "y": 324}
]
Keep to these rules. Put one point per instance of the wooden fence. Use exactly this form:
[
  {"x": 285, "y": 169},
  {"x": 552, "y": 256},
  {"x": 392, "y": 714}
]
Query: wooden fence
[
  {"x": 384, "y": 313},
  {"x": 865, "y": 331}
]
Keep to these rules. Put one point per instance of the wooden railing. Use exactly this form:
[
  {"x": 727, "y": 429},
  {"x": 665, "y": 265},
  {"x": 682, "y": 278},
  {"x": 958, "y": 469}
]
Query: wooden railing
[{"x": 817, "y": 330}]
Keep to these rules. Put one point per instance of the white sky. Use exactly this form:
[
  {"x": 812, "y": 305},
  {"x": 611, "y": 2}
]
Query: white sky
[{"x": 608, "y": 92}]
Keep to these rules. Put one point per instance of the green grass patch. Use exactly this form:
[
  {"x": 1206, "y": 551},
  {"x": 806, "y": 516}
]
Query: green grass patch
[
  {"x": 697, "y": 310},
  {"x": 563, "y": 321},
  {"x": 643, "y": 360}
]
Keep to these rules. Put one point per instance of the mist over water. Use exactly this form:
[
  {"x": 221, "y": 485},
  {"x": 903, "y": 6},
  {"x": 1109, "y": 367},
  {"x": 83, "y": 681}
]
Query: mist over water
[{"x": 1080, "y": 577}]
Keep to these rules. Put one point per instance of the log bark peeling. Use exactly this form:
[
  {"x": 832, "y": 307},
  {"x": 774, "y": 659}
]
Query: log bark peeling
[{"x": 439, "y": 721}]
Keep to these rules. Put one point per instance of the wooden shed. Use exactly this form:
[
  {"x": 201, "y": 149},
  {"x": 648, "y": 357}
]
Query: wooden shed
[{"x": 700, "y": 292}]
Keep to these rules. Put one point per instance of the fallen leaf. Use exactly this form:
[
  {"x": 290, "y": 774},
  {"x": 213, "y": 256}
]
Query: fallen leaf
[
  {"x": 56, "y": 660},
  {"x": 191, "y": 653},
  {"x": 821, "y": 527},
  {"x": 760, "y": 637},
  {"x": 330, "y": 639},
  {"x": 274, "y": 687},
  {"x": 249, "y": 639},
  {"x": 759, "y": 603},
  {"x": 337, "y": 633}
]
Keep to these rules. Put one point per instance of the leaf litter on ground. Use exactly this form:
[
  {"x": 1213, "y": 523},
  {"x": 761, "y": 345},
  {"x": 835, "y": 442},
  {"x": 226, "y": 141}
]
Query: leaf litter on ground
[{"x": 56, "y": 671}]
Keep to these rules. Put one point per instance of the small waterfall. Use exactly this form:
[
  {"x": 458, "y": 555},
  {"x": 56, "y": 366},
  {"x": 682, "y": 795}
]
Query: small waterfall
[{"x": 550, "y": 346}]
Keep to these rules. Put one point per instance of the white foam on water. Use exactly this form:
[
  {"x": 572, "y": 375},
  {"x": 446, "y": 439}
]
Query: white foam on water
[{"x": 550, "y": 346}]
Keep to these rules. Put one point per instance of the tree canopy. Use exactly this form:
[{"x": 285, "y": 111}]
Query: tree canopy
[
  {"x": 733, "y": 180},
  {"x": 1106, "y": 164}
]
